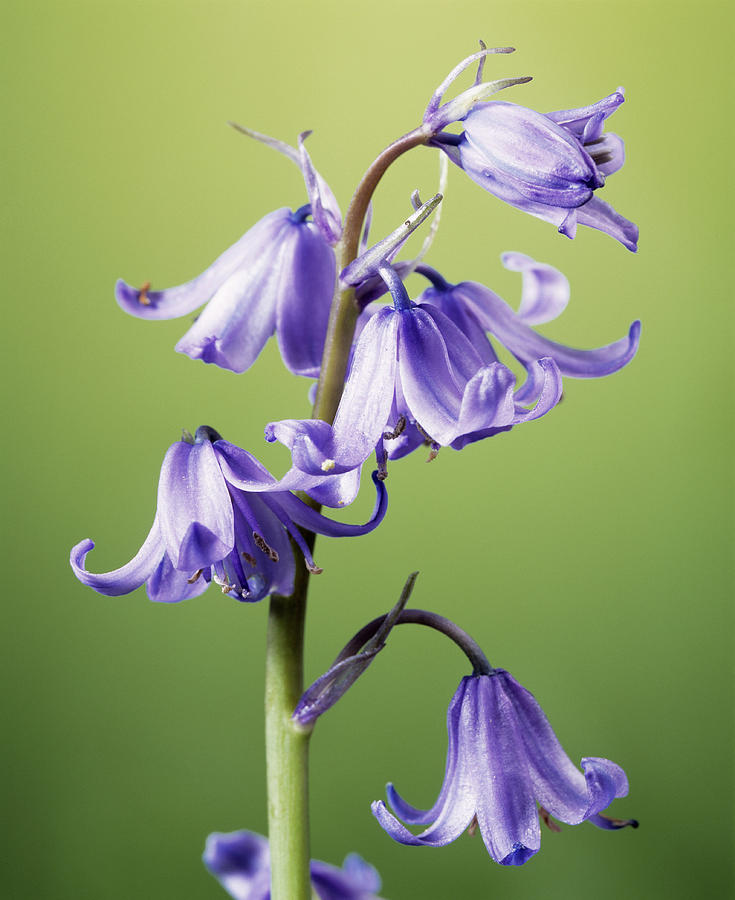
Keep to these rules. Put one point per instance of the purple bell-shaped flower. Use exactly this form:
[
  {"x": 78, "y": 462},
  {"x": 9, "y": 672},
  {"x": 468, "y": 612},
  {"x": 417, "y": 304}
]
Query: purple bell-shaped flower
[
  {"x": 503, "y": 760},
  {"x": 223, "y": 518}
]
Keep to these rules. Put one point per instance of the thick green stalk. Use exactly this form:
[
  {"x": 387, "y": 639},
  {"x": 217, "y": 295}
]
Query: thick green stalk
[{"x": 287, "y": 746}]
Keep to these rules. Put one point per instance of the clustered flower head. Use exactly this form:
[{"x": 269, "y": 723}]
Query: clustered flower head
[{"x": 416, "y": 373}]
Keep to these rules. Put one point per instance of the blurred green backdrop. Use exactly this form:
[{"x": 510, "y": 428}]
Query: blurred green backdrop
[{"x": 589, "y": 553}]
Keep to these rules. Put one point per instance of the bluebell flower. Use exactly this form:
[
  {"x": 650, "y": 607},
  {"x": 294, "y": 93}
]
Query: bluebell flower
[
  {"x": 412, "y": 366},
  {"x": 221, "y": 517},
  {"x": 279, "y": 277},
  {"x": 503, "y": 760},
  {"x": 240, "y": 861},
  {"x": 477, "y": 311},
  {"x": 549, "y": 165}
]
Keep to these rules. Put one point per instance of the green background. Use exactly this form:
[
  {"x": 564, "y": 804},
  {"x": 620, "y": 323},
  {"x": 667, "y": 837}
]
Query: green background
[{"x": 589, "y": 552}]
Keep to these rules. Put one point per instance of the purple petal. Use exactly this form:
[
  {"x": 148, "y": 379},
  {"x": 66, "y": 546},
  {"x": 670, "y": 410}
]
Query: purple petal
[
  {"x": 310, "y": 519},
  {"x": 545, "y": 289},
  {"x": 194, "y": 508},
  {"x": 181, "y": 300},
  {"x": 506, "y": 809},
  {"x": 304, "y": 292},
  {"x": 241, "y": 863},
  {"x": 411, "y": 814},
  {"x": 462, "y": 317},
  {"x": 241, "y": 316},
  {"x": 558, "y": 784},
  {"x": 488, "y": 399},
  {"x": 600, "y": 215},
  {"x": 526, "y": 345},
  {"x": 361, "y": 873},
  {"x": 575, "y": 120},
  {"x": 544, "y": 374},
  {"x": 242, "y": 469},
  {"x": 128, "y": 577},
  {"x": 434, "y": 366},
  {"x": 458, "y": 799},
  {"x": 169, "y": 585}
]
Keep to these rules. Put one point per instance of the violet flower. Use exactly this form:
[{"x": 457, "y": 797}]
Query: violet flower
[
  {"x": 240, "y": 861},
  {"x": 549, "y": 165},
  {"x": 503, "y": 759},
  {"x": 475, "y": 309},
  {"x": 221, "y": 517},
  {"x": 411, "y": 366},
  {"x": 279, "y": 277}
]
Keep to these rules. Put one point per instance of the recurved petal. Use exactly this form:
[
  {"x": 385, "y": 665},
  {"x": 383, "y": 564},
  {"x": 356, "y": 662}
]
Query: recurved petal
[
  {"x": 545, "y": 375},
  {"x": 559, "y": 786},
  {"x": 506, "y": 809},
  {"x": 595, "y": 213},
  {"x": 128, "y": 577},
  {"x": 310, "y": 519},
  {"x": 412, "y": 814},
  {"x": 303, "y": 298},
  {"x": 185, "y": 298},
  {"x": 527, "y": 345},
  {"x": 545, "y": 289},
  {"x": 575, "y": 120},
  {"x": 194, "y": 507}
]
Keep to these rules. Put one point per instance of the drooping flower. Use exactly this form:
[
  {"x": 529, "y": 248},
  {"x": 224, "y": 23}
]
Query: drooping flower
[
  {"x": 279, "y": 277},
  {"x": 222, "y": 517},
  {"x": 411, "y": 366},
  {"x": 549, "y": 165},
  {"x": 503, "y": 760},
  {"x": 476, "y": 310},
  {"x": 240, "y": 861}
]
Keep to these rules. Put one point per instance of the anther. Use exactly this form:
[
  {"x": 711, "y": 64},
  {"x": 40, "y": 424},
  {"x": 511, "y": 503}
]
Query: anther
[
  {"x": 143, "y": 297},
  {"x": 263, "y": 546},
  {"x": 398, "y": 430},
  {"x": 195, "y": 576},
  {"x": 313, "y": 568},
  {"x": 224, "y": 584},
  {"x": 328, "y": 465}
]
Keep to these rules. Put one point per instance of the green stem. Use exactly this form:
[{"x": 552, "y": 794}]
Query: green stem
[{"x": 287, "y": 745}]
